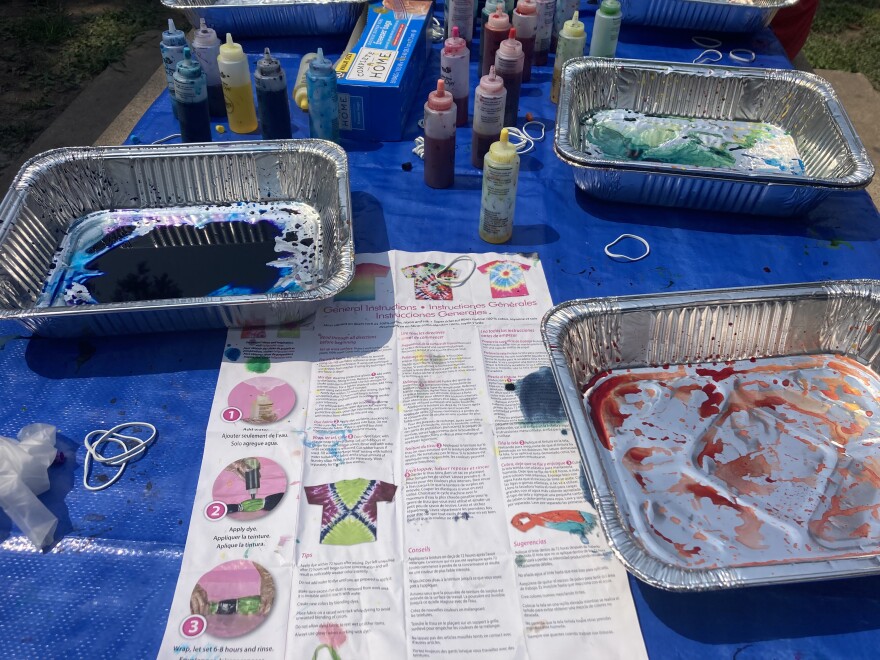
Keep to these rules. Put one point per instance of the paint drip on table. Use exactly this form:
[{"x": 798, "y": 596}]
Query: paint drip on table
[
  {"x": 745, "y": 463},
  {"x": 745, "y": 146},
  {"x": 186, "y": 252}
]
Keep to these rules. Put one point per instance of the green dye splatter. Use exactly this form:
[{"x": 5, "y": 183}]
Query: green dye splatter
[
  {"x": 520, "y": 560},
  {"x": 837, "y": 242},
  {"x": 258, "y": 365}
]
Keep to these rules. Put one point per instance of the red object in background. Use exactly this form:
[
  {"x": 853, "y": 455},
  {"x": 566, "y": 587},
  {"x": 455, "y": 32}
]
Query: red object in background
[{"x": 792, "y": 25}]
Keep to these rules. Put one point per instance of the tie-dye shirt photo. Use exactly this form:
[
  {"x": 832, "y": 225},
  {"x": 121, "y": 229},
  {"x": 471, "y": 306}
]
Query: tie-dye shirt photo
[
  {"x": 431, "y": 280},
  {"x": 506, "y": 278}
]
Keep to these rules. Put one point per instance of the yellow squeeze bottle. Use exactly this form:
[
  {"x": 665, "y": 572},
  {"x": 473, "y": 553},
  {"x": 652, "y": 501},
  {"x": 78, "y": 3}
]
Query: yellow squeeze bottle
[{"x": 237, "y": 92}]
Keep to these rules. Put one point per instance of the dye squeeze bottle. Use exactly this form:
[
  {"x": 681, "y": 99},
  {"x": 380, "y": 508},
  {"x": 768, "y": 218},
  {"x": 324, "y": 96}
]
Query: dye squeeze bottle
[
  {"x": 564, "y": 9},
  {"x": 454, "y": 69},
  {"x": 572, "y": 40},
  {"x": 237, "y": 92},
  {"x": 509, "y": 65},
  {"x": 439, "y": 138},
  {"x": 488, "y": 8},
  {"x": 191, "y": 92},
  {"x": 272, "y": 104},
  {"x": 206, "y": 49},
  {"x": 606, "y": 29},
  {"x": 172, "y": 45},
  {"x": 489, "y": 98},
  {"x": 500, "y": 174},
  {"x": 323, "y": 99},
  {"x": 525, "y": 20},
  {"x": 494, "y": 33},
  {"x": 546, "y": 10},
  {"x": 300, "y": 91},
  {"x": 461, "y": 16}
]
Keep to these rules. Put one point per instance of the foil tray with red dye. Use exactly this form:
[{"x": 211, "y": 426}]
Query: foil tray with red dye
[{"x": 730, "y": 437}]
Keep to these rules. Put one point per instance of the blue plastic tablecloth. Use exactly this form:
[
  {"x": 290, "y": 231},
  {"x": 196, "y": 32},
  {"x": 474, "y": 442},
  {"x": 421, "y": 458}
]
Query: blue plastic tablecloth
[{"x": 106, "y": 588}]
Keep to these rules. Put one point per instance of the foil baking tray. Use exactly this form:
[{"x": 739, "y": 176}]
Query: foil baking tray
[
  {"x": 712, "y": 15},
  {"x": 272, "y": 18},
  {"x": 730, "y": 437},
  {"x": 211, "y": 204},
  {"x": 800, "y": 103}
]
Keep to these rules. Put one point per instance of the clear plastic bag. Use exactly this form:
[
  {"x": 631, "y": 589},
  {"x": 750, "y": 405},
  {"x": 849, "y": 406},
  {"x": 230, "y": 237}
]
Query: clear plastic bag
[{"x": 23, "y": 476}]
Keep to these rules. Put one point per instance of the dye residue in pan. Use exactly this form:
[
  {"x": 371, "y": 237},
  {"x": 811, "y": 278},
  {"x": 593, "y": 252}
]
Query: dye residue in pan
[
  {"x": 185, "y": 252},
  {"x": 745, "y": 463}
]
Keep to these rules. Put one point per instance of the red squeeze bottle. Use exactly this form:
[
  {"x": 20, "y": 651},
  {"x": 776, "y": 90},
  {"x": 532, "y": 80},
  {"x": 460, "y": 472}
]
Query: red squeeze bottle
[
  {"x": 496, "y": 29},
  {"x": 440, "y": 138},
  {"x": 454, "y": 65},
  {"x": 525, "y": 20},
  {"x": 509, "y": 65}
]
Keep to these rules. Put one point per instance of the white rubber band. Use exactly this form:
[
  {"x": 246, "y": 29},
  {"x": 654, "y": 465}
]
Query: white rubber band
[
  {"x": 707, "y": 42},
  {"x": 624, "y": 257},
  {"x": 133, "y": 448},
  {"x": 708, "y": 56},
  {"x": 743, "y": 55}
]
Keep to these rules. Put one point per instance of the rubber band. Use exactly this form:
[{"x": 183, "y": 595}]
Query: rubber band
[
  {"x": 167, "y": 138},
  {"x": 522, "y": 142},
  {"x": 419, "y": 149},
  {"x": 132, "y": 449},
  {"x": 708, "y": 56},
  {"x": 537, "y": 123},
  {"x": 456, "y": 282},
  {"x": 747, "y": 56},
  {"x": 624, "y": 257},
  {"x": 706, "y": 42}
]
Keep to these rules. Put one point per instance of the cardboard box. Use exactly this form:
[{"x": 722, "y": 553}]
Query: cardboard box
[{"x": 381, "y": 76}]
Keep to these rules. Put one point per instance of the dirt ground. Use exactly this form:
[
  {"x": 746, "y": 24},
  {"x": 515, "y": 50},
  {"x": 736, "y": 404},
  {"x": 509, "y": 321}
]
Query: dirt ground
[{"x": 49, "y": 49}]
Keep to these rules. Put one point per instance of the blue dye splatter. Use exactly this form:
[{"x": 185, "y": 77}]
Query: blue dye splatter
[{"x": 232, "y": 354}]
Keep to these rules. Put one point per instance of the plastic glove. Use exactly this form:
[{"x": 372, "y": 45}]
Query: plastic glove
[{"x": 23, "y": 476}]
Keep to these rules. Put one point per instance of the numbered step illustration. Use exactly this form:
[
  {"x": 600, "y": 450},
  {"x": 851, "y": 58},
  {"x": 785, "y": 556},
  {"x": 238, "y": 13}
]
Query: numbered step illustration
[
  {"x": 247, "y": 489},
  {"x": 260, "y": 400},
  {"x": 230, "y": 600}
]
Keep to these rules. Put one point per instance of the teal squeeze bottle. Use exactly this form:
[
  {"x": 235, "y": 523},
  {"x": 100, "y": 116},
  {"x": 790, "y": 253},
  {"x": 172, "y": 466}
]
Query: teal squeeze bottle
[
  {"x": 323, "y": 99},
  {"x": 172, "y": 44},
  {"x": 191, "y": 94}
]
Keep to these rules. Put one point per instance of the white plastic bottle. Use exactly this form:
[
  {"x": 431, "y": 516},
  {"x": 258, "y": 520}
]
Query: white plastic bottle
[
  {"x": 498, "y": 203},
  {"x": 606, "y": 29},
  {"x": 460, "y": 14},
  {"x": 489, "y": 100}
]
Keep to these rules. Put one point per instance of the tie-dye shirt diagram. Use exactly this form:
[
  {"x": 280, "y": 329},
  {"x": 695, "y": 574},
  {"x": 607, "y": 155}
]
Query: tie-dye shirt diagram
[
  {"x": 506, "y": 278},
  {"x": 363, "y": 285},
  {"x": 350, "y": 513},
  {"x": 431, "y": 280}
]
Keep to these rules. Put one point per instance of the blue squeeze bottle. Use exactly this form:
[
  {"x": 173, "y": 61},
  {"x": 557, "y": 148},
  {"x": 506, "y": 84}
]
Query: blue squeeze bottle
[
  {"x": 273, "y": 107},
  {"x": 172, "y": 45},
  {"x": 191, "y": 94},
  {"x": 323, "y": 99}
]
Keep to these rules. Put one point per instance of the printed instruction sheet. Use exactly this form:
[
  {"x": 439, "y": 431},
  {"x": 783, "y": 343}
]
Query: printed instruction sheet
[{"x": 394, "y": 477}]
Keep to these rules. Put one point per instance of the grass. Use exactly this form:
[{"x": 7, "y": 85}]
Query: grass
[
  {"x": 51, "y": 48},
  {"x": 846, "y": 37}
]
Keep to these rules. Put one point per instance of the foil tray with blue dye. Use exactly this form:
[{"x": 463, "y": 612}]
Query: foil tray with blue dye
[
  {"x": 188, "y": 252},
  {"x": 155, "y": 238}
]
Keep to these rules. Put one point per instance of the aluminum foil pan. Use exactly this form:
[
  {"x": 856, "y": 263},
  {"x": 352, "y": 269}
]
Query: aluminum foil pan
[
  {"x": 712, "y": 15},
  {"x": 57, "y": 188},
  {"x": 734, "y": 491},
  {"x": 272, "y": 18},
  {"x": 801, "y": 103}
]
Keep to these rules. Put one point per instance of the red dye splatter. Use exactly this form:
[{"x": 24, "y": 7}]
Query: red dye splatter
[
  {"x": 680, "y": 548},
  {"x": 861, "y": 532},
  {"x": 749, "y": 533},
  {"x": 785, "y": 383},
  {"x": 712, "y": 447},
  {"x": 688, "y": 485},
  {"x": 709, "y": 407},
  {"x": 641, "y": 480},
  {"x": 717, "y": 374},
  {"x": 735, "y": 472}
]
